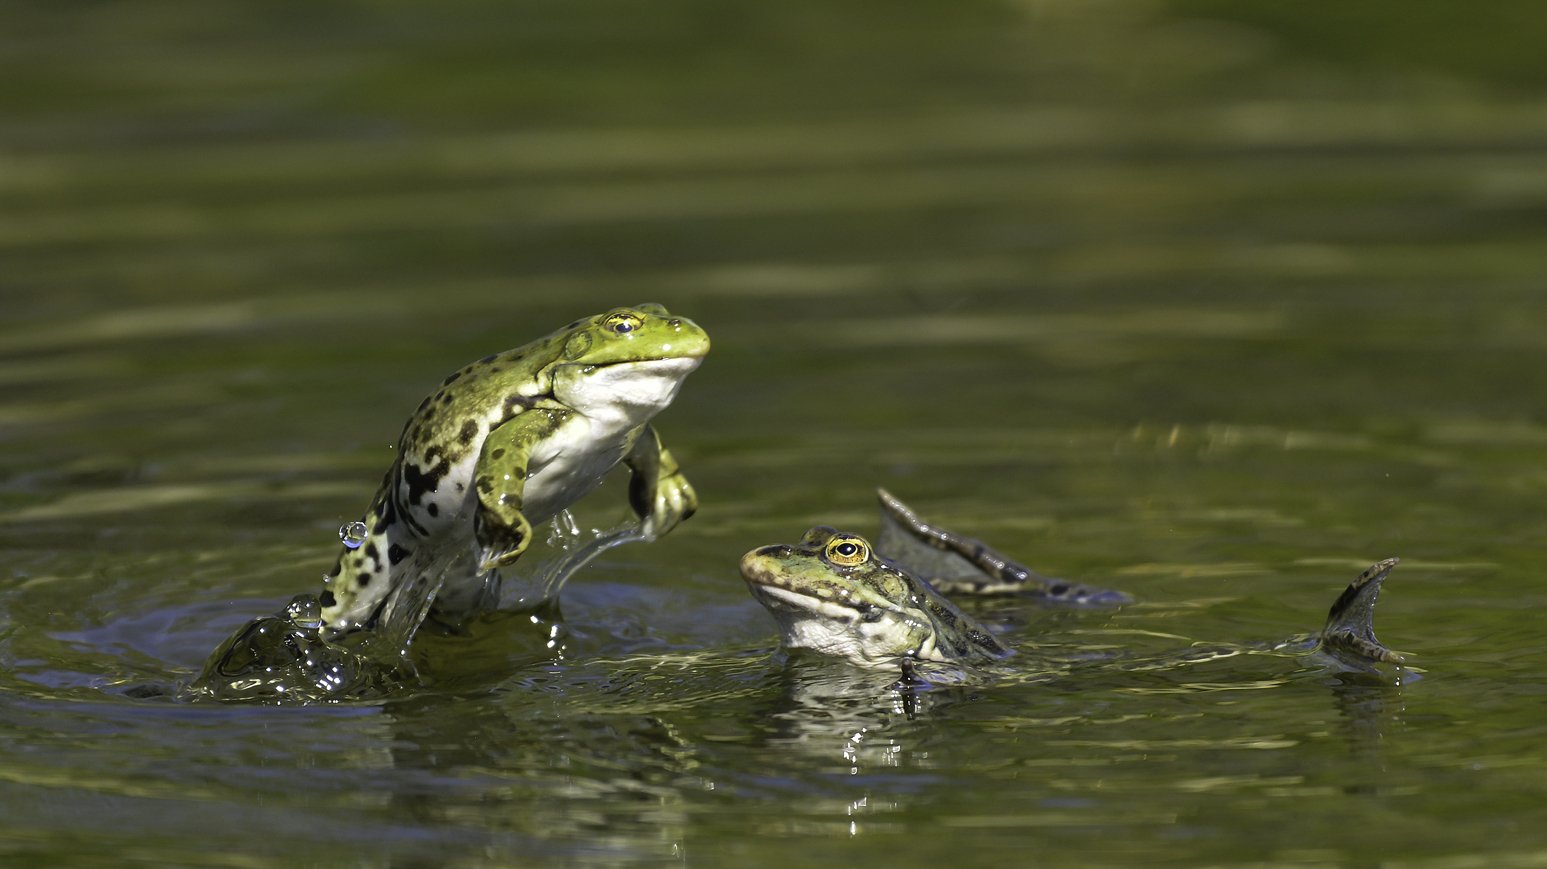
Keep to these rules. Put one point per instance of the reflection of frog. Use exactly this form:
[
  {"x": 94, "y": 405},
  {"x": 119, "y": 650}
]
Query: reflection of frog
[
  {"x": 831, "y": 593},
  {"x": 509, "y": 441}
]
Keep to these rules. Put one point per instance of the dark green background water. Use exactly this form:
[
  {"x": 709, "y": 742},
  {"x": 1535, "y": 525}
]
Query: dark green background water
[{"x": 1216, "y": 302}]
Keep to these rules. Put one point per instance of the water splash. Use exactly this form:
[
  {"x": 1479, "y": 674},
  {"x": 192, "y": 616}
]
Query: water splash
[
  {"x": 563, "y": 529},
  {"x": 547, "y": 578},
  {"x": 353, "y": 534},
  {"x": 283, "y": 658}
]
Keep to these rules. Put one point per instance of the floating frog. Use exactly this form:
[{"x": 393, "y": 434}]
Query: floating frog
[
  {"x": 505, "y": 444},
  {"x": 832, "y": 593}
]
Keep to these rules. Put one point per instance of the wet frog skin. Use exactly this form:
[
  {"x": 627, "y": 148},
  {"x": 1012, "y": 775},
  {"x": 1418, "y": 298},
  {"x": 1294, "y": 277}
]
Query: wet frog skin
[
  {"x": 506, "y": 443},
  {"x": 832, "y": 594}
]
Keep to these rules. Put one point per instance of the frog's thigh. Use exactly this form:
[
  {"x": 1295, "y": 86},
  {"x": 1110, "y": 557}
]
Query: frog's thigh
[
  {"x": 500, "y": 480},
  {"x": 658, "y": 491}
]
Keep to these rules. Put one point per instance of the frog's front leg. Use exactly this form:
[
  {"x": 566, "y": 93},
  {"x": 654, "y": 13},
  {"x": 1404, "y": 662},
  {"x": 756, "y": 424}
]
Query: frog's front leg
[
  {"x": 499, "y": 525},
  {"x": 657, "y": 491}
]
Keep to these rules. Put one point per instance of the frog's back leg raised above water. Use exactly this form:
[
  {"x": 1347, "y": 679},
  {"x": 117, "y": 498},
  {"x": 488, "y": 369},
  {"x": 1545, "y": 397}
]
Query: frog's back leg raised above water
[
  {"x": 1350, "y": 628},
  {"x": 954, "y": 564}
]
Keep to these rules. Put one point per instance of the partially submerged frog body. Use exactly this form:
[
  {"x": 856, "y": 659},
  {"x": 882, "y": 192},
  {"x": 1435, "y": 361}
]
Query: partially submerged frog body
[
  {"x": 505, "y": 444},
  {"x": 832, "y": 594}
]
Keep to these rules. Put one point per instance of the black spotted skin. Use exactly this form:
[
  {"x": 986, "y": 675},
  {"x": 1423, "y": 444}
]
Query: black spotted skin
[{"x": 594, "y": 384}]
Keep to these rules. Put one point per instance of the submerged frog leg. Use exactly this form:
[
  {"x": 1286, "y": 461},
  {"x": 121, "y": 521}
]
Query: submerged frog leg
[
  {"x": 499, "y": 525},
  {"x": 1002, "y": 576},
  {"x": 1350, "y": 626},
  {"x": 657, "y": 491}
]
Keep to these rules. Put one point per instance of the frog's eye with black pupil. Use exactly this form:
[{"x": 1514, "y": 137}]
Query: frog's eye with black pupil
[
  {"x": 622, "y": 324},
  {"x": 847, "y": 551}
]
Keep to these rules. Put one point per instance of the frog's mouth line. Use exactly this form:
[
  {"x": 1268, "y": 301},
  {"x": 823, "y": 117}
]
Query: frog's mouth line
[
  {"x": 687, "y": 361},
  {"x": 641, "y": 387},
  {"x": 810, "y": 622},
  {"x": 786, "y": 599},
  {"x": 775, "y": 592}
]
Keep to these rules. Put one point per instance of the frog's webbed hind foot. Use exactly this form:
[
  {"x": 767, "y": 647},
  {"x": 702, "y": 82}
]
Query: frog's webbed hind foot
[
  {"x": 658, "y": 492},
  {"x": 501, "y": 544},
  {"x": 1350, "y": 630},
  {"x": 674, "y": 500},
  {"x": 954, "y": 564}
]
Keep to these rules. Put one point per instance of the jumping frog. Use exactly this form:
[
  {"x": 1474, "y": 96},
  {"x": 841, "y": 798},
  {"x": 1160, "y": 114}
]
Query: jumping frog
[
  {"x": 833, "y": 594},
  {"x": 505, "y": 444}
]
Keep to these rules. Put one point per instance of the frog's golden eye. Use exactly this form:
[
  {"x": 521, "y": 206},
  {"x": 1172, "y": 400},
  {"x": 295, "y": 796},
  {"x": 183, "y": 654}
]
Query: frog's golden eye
[
  {"x": 623, "y": 323},
  {"x": 847, "y": 551}
]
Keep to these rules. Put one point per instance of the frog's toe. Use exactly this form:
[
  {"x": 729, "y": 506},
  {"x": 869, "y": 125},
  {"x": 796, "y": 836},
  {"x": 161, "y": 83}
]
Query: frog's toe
[
  {"x": 675, "y": 501},
  {"x": 502, "y": 544},
  {"x": 501, "y": 557}
]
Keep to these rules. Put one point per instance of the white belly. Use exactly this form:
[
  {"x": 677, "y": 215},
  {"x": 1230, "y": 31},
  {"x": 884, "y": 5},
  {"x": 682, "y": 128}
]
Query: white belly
[{"x": 570, "y": 464}]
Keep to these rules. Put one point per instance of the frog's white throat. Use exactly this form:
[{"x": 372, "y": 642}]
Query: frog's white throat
[{"x": 622, "y": 395}]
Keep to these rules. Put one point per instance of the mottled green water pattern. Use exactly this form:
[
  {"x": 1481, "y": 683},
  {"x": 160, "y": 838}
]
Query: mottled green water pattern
[{"x": 1216, "y": 302}]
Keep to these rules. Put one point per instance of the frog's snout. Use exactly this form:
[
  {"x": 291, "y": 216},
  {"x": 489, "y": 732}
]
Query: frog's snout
[
  {"x": 761, "y": 565},
  {"x": 691, "y": 339}
]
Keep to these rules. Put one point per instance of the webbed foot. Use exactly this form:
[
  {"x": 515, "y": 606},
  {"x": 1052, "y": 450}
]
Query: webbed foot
[
  {"x": 1350, "y": 630},
  {"x": 673, "y": 501},
  {"x": 501, "y": 543}
]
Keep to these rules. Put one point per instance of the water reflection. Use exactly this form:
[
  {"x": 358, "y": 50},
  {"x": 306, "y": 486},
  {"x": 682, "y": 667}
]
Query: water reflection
[
  {"x": 1370, "y": 708},
  {"x": 848, "y": 716}
]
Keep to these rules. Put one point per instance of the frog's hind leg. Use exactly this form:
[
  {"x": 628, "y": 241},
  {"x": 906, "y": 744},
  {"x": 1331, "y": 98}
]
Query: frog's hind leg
[
  {"x": 1350, "y": 630},
  {"x": 960, "y": 565},
  {"x": 499, "y": 524}
]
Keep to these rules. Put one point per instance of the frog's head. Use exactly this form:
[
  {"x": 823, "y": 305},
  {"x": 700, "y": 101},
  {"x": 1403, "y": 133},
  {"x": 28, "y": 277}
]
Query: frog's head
[
  {"x": 633, "y": 357},
  {"x": 832, "y": 594}
]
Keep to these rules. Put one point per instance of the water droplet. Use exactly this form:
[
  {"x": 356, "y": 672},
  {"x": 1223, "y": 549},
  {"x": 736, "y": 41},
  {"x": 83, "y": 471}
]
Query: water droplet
[
  {"x": 564, "y": 531},
  {"x": 305, "y": 611},
  {"x": 353, "y": 534}
]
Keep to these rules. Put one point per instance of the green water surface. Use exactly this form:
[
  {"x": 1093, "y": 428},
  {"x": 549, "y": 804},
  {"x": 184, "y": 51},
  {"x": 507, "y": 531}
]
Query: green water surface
[{"x": 1213, "y": 302}]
